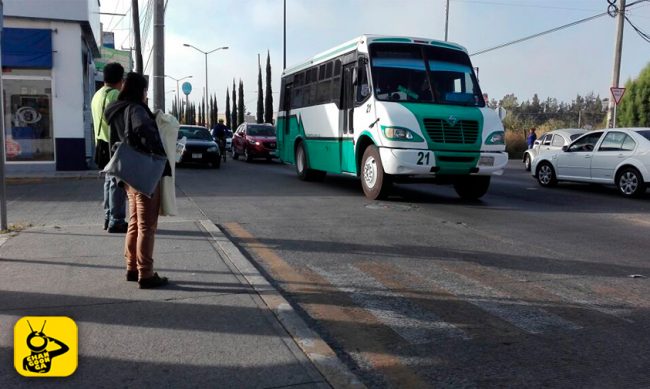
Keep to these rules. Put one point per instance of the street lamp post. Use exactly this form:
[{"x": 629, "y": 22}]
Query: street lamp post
[
  {"x": 177, "y": 81},
  {"x": 206, "y": 70}
]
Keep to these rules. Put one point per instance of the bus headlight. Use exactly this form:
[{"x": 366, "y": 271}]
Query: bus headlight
[
  {"x": 401, "y": 134},
  {"x": 496, "y": 138}
]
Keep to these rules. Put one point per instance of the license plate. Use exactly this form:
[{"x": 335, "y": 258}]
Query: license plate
[
  {"x": 273, "y": 153},
  {"x": 486, "y": 161},
  {"x": 197, "y": 156}
]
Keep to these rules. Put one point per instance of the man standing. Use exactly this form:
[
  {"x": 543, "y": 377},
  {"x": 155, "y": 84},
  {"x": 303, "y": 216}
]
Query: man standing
[
  {"x": 532, "y": 137},
  {"x": 114, "y": 196}
]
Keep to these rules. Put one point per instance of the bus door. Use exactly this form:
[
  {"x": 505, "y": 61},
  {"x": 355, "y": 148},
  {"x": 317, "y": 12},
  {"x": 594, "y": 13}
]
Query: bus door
[
  {"x": 346, "y": 119},
  {"x": 284, "y": 133}
]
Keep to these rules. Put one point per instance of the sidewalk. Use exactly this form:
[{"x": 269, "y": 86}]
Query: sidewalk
[{"x": 208, "y": 328}]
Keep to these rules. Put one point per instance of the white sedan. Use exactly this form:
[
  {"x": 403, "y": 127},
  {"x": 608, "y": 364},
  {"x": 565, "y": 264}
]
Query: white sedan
[
  {"x": 618, "y": 156},
  {"x": 551, "y": 141}
]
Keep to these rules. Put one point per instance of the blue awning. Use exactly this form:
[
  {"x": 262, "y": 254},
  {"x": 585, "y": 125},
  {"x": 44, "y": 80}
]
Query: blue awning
[{"x": 26, "y": 48}]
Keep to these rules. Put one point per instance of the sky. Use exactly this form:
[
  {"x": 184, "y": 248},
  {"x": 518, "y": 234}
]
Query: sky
[{"x": 576, "y": 60}]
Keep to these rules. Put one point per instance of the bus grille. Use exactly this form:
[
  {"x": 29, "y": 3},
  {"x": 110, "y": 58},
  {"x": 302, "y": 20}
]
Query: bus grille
[{"x": 441, "y": 131}]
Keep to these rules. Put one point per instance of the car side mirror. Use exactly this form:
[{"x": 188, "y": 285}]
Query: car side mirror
[
  {"x": 537, "y": 143},
  {"x": 565, "y": 148}
]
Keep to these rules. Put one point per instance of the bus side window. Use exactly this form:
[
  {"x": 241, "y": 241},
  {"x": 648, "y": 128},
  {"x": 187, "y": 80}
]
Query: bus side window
[{"x": 335, "y": 91}]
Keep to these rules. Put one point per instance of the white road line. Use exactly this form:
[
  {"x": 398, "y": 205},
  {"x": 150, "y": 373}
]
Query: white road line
[
  {"x": 392, "y": 309},
  {"x": 521, "y": 314}
]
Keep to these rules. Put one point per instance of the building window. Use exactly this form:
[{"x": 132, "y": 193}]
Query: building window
[{"x": 28, "y": 119}]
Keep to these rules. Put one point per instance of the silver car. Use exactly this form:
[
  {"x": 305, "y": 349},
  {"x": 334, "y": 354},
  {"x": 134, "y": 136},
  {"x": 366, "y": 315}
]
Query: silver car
[{"x": 551, "y": 141}]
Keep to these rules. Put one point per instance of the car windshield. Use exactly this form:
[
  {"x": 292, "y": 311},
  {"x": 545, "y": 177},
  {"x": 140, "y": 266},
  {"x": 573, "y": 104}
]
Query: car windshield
[
  {"x": 260, "y": 131},
  {"x": 198, "y": 133},
  {"x": 644, "y": 133},
  {"x": 575, "y": 136},
  {"x": 425, "y": 74}
]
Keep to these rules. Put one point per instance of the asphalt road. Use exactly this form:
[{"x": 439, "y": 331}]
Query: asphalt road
[{"x": 529, "y": 287}]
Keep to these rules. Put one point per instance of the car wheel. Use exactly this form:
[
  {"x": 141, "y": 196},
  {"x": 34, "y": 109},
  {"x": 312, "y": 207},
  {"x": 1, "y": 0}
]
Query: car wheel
[
  {"x": 630, "y": 182},
  {"x": 375, "y": 182},
  {"x": 546, "y": 174},
  {"x": 302, "y": 169},
  {"x": 472, "y": 187},
  {"x": 527, "y": 162}
]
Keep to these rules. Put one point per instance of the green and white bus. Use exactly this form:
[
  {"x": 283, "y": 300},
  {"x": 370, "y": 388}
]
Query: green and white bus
[{"x": 390, "y": 109}]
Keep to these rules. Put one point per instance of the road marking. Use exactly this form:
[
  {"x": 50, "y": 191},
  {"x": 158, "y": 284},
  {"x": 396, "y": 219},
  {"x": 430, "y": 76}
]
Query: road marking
[
  {"x": 414, "y": 325},
  {"x": 520, "y": 313},
  {"x": 339, "y": 315},
  {"x": 319, "y": 352},
  {"x": 474, "y": 321}
]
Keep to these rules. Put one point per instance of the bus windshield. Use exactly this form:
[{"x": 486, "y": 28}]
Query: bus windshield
[{"x": 425, "y": 74}]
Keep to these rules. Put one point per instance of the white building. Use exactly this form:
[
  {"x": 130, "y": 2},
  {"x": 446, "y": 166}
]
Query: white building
[{"x": 48, "y": 52}]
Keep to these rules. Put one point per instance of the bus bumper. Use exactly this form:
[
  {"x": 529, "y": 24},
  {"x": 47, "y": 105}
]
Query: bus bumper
[{"x": 423, "y": 162}]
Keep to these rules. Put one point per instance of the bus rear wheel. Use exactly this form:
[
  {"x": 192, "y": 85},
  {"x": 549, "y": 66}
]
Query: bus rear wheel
[
  {"x": 472, "y": 187},
  {"x": 375, "y": 182},
  {"x": 302, "y": 169}
]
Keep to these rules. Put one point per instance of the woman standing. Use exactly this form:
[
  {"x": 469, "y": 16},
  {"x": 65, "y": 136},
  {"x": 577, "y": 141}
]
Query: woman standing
[{"x": 134, "y": 123}]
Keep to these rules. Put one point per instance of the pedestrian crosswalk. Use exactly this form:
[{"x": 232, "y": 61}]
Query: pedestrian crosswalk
[{"x": 375, "y": 309}]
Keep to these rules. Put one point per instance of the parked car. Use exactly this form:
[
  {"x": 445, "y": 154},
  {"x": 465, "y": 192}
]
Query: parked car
[
  {"x": 618, "y": 156},
  {"x": 254, "y": 141},
  {"x": 200, "y": 147},
  {"x": 551, "y": 141}
]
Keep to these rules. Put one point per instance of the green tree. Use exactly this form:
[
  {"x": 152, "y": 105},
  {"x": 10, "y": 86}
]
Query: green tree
[
  {"x": 268, "y": 98},
  {"x": 215, "y": 110},
  {"x": 228, "y": 122},
  {"x": 234, "y": 122},
  {"x": 241, "y": 108},
  {"x": 634, "y": 108},
  {"x": 260, "y": 93}
]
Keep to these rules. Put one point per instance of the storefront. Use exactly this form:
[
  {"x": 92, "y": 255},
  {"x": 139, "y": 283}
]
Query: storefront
[{"x": 48, "y": 82}]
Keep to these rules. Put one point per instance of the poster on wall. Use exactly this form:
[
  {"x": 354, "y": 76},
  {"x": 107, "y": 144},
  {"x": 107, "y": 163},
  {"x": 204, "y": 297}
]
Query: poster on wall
[{"x": 28, "y": 129}]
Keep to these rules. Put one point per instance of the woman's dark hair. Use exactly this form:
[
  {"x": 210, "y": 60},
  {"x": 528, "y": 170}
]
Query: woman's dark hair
[{"x": 133, "y": 89}]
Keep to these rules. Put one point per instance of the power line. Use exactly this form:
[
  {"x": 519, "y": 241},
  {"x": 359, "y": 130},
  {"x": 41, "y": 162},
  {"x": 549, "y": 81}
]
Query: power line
[
  {"x": 645, "y": 36},
  {"x": 541, "y": 33},
  {"x": 523, "y": 5},
  {"x": 608, "y": 12}
]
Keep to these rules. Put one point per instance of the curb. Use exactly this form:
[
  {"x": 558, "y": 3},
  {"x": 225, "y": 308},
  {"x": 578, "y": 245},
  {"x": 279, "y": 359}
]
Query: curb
[{"x": 317, "y": 350}]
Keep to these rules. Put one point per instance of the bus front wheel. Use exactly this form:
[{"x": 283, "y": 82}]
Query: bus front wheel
[
  {"x": 302, "y": 169},
  {"x": 472, "y": 187},
  {"x": 375, "y": 182}
]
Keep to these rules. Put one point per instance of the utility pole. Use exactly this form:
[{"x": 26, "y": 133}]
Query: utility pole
[
  {"x": 135, "y": 13},
  {"x": 616, "y": 73},
  {"x": 159, "y": 55},
  {"x": 447, "y": 21},
  {"x": 3, "y": 186},
  {"x": 284, "y": 45}
]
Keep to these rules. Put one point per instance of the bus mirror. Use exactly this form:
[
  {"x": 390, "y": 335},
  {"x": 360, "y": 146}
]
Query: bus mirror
[{"x": 502, "y": 113}]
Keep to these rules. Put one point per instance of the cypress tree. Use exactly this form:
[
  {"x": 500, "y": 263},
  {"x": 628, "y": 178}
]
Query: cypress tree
[
  {"x": 216, "y": 109},
  {"x": 228, "y": 122},
  {"x": 268, "y": 98},
  {"x": 260, "y": 96},
  {"x": 234, "y": 106},
  {"x": 241, "y": 109}
]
